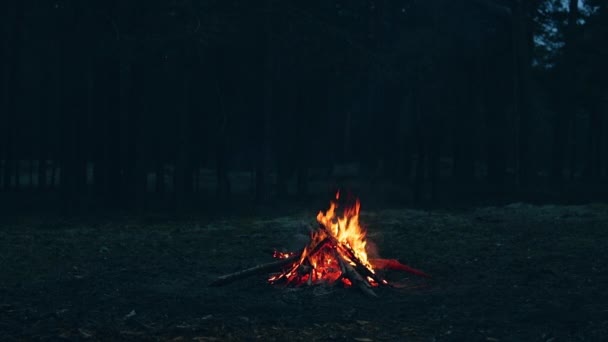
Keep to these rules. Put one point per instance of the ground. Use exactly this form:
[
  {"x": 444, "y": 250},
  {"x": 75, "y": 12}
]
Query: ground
[{"x": 511, "y": 273}]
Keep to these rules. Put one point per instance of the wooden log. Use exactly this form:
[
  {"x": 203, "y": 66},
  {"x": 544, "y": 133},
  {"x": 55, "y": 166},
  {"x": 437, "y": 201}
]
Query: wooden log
[
  {"x": 334, "y": 240},
  {"x": 318, "y": 247},
  {"x": 310, "y": 253},
  {"x": 356, "y": 278},
  {"x": 341, "y": 263},
  {"x": 228, "y": 278},
  {"x": 359, "y": 265},
  {"x": 352, "y": 256},
  {"x": 364, "y": 269},
  {"x": 342, "y": 268},
  {"x": 309, "y": 281},
  {"x": 310, "y": 272}
]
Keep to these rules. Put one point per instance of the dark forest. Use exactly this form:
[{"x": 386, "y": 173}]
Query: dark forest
[{"x": 148, "y": 147}]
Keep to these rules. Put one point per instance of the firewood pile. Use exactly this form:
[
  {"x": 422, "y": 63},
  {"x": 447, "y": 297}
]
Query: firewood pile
[{"x": 335, "y": 255}]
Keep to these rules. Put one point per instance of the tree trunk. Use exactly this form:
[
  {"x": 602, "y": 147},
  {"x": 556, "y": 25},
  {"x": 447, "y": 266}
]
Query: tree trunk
[
  {"x": 564, "y": 112},
  {"x": 434, "y": 167},
  {"x": 265, "y": 129},
  {"x": 573, "y": 149},
  {"x": 42, "y": 149},
  {"x": 223, "y": 181},
  {"x": 496, "y": 152},
  {"x": 221, "y": 142},
  {"x": 112, "y": 166},
  {"x": 87, "y": 143},
  {"x": 604, "y": 152},
  {"x": 282, "y": 142},
  {"x": 593, "y": 167},
  {"x": 495, "y": 107},
  {"x": 135, "y": 174},
  {"x": 421, "y": 150},
  {"x": 464, "y": 131},
  {"x": 522, "y": 39},
  {"x": 13, "y": 26},
  {"x": 67, "y": 130},
  {"x": 160, "y": 177},
  {"x": 302, "y": 179},
  {"x": 559, "y": 143},
  {"x": 183, "y": 169}
]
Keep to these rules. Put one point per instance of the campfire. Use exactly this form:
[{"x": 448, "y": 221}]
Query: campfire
[{"x": 335, "y": 255}]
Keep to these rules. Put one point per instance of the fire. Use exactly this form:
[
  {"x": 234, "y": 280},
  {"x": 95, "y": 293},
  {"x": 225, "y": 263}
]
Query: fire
[
  {"x": 336, "y": 254},
  {"x": 335, "y": 250},
  {"x": 346, "y": 228}
]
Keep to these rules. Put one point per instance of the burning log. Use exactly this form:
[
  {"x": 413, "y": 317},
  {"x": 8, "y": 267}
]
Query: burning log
[
  {"x": 271, "y": 266},
  {"x": 360, "y": 266},
  {"x": 356, "y": 278}
]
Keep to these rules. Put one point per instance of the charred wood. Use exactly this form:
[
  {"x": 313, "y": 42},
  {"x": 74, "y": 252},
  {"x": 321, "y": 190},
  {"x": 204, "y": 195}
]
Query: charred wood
[{"x": 228, "y": 278}]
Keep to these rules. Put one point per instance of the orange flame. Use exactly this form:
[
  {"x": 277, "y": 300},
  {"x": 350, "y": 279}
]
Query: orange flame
[
  {"x": 321, "y": 259},
  {"x": 346, "y": 228}
]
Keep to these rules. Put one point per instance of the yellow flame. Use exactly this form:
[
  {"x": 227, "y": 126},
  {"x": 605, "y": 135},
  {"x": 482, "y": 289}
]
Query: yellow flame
[
  {"x": 324, "y": 258},
  {"x": 346, "y": 228}
]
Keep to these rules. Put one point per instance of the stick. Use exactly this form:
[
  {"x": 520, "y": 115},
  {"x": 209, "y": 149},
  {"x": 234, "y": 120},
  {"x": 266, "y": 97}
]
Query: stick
[
  {"x": 312, "y": 269},
  {"x": 313, "y": 251},
  {"x": 309, "y": 281},
  {"x": 342, "y": 267},
  {"x": 318, "y": 247},
  {"x": 334, "y": 240},
  {"x": 351, "y": 255},
  {"x": 356, "y": 278},
  {"x": 349, "y": 252},
  {"x": 228, "y": 278},
  {"x": 362, "y": 268}
]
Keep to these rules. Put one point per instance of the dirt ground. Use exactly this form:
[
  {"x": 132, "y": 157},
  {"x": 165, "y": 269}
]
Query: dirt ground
[{"x": 511, "y": 273}]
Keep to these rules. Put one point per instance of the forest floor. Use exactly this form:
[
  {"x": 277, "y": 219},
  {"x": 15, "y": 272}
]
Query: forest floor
[{"x": 511, "y": 273}]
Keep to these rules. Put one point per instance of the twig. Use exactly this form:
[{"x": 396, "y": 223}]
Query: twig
[
  {"x": 228, "y": 278},
  {"x": 356, "y": 278},
  {"x": 352, "y": 256}
]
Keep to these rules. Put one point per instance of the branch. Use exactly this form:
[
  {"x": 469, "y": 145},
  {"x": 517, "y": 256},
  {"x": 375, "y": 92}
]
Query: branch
[{"x": 228, "y": 278}]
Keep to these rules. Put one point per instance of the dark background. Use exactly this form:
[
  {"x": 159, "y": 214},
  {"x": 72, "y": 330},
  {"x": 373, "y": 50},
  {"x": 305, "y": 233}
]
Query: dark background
[{"x": 184, "y": 105}]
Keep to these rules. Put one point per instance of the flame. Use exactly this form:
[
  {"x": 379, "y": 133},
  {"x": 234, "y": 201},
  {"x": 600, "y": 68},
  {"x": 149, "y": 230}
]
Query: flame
[
  {"x": 322, "y": 260},
  {"x": 346, "y": 228},
  {"x": 336, "y": 254}
]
